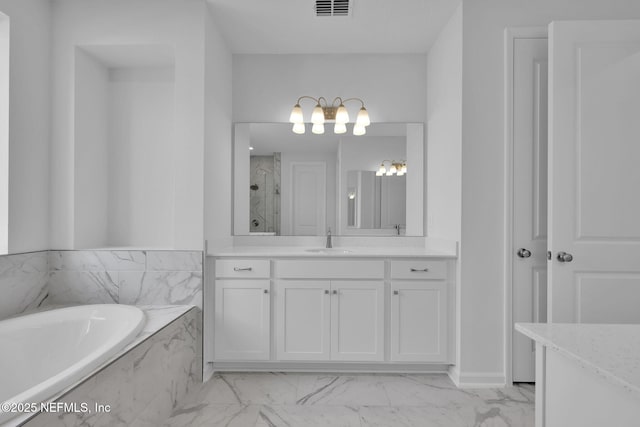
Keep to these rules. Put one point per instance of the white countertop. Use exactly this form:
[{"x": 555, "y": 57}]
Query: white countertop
[
  {"x": 318, "y": 252},
  {"x": 610, "y": 351}
]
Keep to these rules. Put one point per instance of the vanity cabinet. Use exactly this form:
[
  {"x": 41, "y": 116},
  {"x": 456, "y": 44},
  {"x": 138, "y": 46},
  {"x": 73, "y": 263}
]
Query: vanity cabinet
[
  {"x": 419, "y": 301},
  {"x": 242, "y": 310},
  {"x": 330, "y": 320}
]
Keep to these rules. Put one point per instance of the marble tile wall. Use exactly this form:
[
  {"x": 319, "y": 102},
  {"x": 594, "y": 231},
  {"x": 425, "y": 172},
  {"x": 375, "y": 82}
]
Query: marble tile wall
[
  {"x": 23, "y": 282},
  {"x": 143, "y": 386},
  {"x": 125, "y": 277}
]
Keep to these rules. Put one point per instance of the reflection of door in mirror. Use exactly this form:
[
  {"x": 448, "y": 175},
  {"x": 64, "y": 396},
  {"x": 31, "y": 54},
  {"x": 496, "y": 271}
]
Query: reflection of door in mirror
[{"x": 264, "y": 194}]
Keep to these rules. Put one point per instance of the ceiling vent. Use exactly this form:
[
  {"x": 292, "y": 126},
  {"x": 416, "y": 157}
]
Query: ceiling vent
[{"x": 333, "y": 7}]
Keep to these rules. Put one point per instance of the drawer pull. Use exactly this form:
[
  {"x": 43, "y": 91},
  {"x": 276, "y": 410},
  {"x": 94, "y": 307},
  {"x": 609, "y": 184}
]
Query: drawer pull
[
  {"x": 419, "y": 270},
  {"x": 396, "y": 292},
  {"x": 242, "y": 268}
]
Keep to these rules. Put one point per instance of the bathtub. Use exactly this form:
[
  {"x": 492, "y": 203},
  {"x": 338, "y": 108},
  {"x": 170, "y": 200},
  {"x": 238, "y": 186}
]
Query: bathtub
[{"x": 43, "y": 353}]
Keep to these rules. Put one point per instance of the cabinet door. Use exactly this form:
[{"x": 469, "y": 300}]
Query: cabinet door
[
  {"x": 419, "y": 321},
  {"x": 302, "y": 318},
  {"x": 357, "y": 320},
  {"x": 242, "y": 318}
]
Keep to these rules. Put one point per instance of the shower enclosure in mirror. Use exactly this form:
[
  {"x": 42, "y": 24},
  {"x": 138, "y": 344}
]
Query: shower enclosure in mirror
[{"x": 302, "y": 185}]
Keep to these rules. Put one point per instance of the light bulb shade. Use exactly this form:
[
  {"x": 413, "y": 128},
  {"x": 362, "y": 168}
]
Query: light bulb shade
[
  {"x": 296, "y": 115},
  {"x": 359, "y": 130},
  {"x": 339, "y": 128},
  {"x": 400, "y": 173},
  {"x": 392, "y": 170},
  {"x": 381, "y": 171},
  {"x": 342, "y": 115},
  {"x": 317, "y": 116},
  {"x": 317, "y": 128},
  {"x": 363, "y": 118},
  {"x": 298, "y": 128},
  {"x": 403, "y": 169}
]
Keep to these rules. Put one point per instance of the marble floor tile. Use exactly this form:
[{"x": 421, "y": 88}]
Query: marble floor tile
[{"x": 384, "y": 400}]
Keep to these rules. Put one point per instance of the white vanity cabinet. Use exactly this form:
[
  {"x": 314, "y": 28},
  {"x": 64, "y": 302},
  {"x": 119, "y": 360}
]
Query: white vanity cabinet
[
  {"x": 419, "y": 301},
  {"x": 330, "y": 310},
  {"x": 242, "y": 310}
]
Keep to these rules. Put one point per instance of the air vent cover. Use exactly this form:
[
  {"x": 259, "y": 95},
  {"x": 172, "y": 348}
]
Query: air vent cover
[{"x": 333, "y": 7}]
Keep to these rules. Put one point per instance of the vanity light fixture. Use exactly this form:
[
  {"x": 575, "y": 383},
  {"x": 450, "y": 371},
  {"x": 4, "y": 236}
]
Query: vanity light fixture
[
  {"x": 334, "y": 113},
  {"x": 398, "y": 168}
]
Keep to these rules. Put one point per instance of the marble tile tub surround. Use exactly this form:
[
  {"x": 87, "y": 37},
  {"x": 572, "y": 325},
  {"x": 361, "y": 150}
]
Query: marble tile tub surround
[
  {"x": 138, "y": 277},
  {"x": 23, "y": 282},
  {"x": 145, "y": 383},
  {"x": 277, "y": 399}
]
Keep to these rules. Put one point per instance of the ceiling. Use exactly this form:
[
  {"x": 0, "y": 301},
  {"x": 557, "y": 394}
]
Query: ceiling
[{"x": 291, "y": 27}]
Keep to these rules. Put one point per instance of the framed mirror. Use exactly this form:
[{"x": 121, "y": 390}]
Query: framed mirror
[{"x": 302, "y": 185}]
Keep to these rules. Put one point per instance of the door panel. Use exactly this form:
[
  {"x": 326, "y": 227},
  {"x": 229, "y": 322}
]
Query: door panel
[
  {"x": 418, "y": 321},
  {"x": 303, "y": 310},
  {"x": 593, "y": 177},
  {"x": 242, "y": 317},
  {"x": 308, "y": 198},
  {"x": 530, "y": 71},
  {"x": 357, "y": 320}
]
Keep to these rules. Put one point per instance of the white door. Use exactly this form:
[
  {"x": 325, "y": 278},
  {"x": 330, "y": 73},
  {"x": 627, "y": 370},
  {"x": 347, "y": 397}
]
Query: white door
[
  {"x": 530, "y": 71},
  {"x": 594, "y": 173},
  {"x": 418, "y": 321},
  {"x": 357, "y": 320},
  {"x": 393, "y": 201},
  {"x": 303, "y": 320},
  {"x": 242, "y": 317},
  {"x": 308, "y": 198}
]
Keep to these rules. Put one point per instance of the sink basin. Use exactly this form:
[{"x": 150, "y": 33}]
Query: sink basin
[{"x": 330, "y": 251}]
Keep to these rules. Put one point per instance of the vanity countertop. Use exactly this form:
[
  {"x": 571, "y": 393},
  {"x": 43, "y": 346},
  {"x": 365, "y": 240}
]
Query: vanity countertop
[
  {"x": 337, "y": 252},
  {"x": 609, "y": 351}
]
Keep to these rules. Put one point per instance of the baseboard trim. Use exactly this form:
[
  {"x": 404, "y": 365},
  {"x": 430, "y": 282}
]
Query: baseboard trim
[
  {"x": 476, "y": 379},
  {"x": 338, "y": 367}
]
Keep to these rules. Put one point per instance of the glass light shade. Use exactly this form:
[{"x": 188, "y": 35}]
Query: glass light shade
[
  {"x": 359, "y": 130},
  {"x": 400, "y": 173},
  {"x": 392, "y": 170},
  {"x": 342, "y": 115},
  {"x": 298, "y": 128},
  {"x": 403, "y": 169},
  {"x": 296, "y": 115},
  {"x": 363, "y": 118},
  {"x": 340, "y": 128},
  {"x": 381, "y": 171},
  {"x": 317, "y": 128},
  {"x": 317, "y": 116}
]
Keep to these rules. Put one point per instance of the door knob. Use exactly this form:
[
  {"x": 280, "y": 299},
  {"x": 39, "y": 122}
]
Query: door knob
[
  {"x": 524, "y": 253},
  {"x": 564, "y": 257}
]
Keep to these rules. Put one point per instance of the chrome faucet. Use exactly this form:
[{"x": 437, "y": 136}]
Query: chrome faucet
[{"x": 329, "y": 245}]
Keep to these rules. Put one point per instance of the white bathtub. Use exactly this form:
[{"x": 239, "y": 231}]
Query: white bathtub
[{"x": 45, "y": 352}]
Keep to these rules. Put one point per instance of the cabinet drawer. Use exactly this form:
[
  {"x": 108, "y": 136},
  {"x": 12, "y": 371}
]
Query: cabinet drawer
[
  {"x": 243, "y": 268},
  {"x": 335, "y": 269},
  {"x": 418, "y": 269}
]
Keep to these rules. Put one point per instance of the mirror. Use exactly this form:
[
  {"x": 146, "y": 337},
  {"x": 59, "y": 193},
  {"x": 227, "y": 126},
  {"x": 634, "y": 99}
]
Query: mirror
[{"x": 301, "y": 185}]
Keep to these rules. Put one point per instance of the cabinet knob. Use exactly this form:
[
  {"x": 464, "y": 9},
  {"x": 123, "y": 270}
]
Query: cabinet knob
[
  {"x": 266, "y": 291},
  {"x": 335, "y": 292},
  {"x": 396, "y": 292},
  {"x": 326, "y": 291},
  {"x": 242, "y": 268},
  {"x": 419, "y": 270}
]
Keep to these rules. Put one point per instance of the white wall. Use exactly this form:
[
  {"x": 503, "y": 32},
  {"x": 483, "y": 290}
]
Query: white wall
[
  {"x": 483, "y": 176},
  {"x": 141, "y": 151},
  {"x": 29, "y": 109},
  {"x": 4, "y": 133},
  {"x": 90, "y": 156},
  {"x": 393, "y": 87},
  {"x": 218, "y": 185},
  {"x": 132, "y": 22}
]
